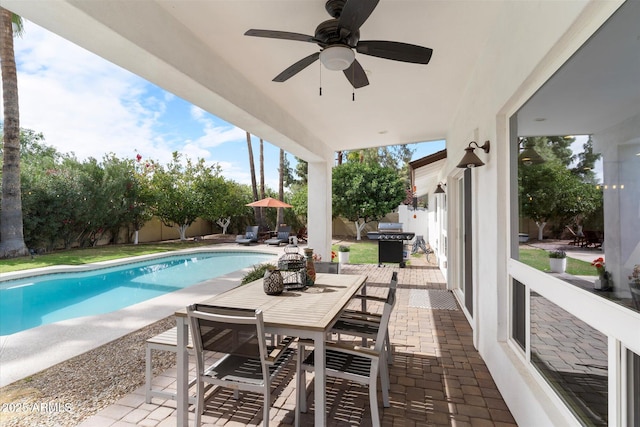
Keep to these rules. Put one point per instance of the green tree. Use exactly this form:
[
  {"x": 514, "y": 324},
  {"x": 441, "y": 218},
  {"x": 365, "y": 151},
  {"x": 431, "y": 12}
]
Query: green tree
[
  {"x": 585, "y": 163},
  {"x": 179, "y": 202},
  {"x": 365, "y": 192},
  {"x": 11, "y": 219},
  {"x": 550, "y": 191},
  {"x": 299, "y": 201},
  {"x": 139, "y": 196},
  {"x": 224, "y": 200},
  {"x": 552, "y": 147}
]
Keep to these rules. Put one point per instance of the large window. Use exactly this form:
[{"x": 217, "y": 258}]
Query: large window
[{"x": 575, "y": 161}]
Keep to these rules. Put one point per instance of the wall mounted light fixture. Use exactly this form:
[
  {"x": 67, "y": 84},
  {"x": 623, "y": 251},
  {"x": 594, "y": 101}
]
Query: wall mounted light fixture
[
  {"x": 529, "y": 155},
  {"x": 439, "y": 189},
  {"x": 470, "y": 160}
]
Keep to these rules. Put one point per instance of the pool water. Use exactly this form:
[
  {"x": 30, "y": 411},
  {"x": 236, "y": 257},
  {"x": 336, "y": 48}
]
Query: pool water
[{"x": 40, "y": 300}]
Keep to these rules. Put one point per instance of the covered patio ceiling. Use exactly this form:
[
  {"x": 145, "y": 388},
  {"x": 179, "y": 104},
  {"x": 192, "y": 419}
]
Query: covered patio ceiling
[{"x": 198, "y": 51}]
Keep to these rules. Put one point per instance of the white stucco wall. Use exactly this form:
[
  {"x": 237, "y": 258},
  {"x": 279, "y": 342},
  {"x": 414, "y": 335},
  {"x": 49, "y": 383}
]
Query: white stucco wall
[
  {"x": 620, "y": 146},
  {"x": 518, "y": 59}
]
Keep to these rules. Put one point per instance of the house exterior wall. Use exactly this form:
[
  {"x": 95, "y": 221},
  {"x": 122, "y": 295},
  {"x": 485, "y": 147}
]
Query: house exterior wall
[{"x": 517, "y": 61}]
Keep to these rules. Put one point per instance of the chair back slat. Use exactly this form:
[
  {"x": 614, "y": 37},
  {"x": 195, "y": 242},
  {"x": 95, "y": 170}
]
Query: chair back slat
[
  {"x": 386, "y": 315},
  {"x": 226, "y": 330}
]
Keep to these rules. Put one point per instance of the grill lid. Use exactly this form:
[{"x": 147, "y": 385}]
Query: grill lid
[{"x": 389, "y": 226}]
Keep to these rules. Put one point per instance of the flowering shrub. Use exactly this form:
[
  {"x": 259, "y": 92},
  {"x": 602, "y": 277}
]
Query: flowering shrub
[
  {"x": 635, "y": 274},
  {"x": 557, "y": 254},
  {"x": 333, "y": 255},
  {"x": 598, "y": 263}
]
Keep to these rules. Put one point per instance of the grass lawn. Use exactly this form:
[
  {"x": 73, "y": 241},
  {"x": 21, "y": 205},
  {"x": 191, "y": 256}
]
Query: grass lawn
[
  {"x": 539, "y": 259},
  {"x": 89, "y": 255},
  {"x": 365, "y": 252},
  {"x": 361, "y": 252}
]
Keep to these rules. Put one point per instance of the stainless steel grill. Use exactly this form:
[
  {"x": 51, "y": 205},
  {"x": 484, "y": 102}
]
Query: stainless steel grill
[{"x": 390, "y": 239}]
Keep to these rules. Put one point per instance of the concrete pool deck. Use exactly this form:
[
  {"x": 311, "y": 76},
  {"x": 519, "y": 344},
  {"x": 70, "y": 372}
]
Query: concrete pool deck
[{"x": 25, "y": 353}]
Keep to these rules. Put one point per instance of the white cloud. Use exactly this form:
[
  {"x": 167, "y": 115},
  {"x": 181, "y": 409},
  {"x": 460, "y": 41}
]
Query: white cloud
[
  {"x": 83, "y": 104},
  {"x": 214, "y": 134},
  {"x": 88, "y": 106}
]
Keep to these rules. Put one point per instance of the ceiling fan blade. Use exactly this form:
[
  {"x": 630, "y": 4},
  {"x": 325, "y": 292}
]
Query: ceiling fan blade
[
  {"x": 296, "y": 68},
  {"x": 356, "y": 75},
  {"x": 396, "y": 51},
  {"x": 354, "y": 14},
  {"x": 284, "y": 35}
]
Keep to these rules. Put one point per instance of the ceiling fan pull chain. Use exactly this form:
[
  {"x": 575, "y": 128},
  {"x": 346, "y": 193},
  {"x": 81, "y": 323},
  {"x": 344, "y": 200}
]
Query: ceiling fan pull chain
[
  {"x": 353, "y": 88},
  {"x": 320, "y": 79}
]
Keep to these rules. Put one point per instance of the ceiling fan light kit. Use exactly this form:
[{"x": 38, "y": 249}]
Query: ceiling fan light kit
[
  {"x": 339, "y": 40},
  {"x": 337, "y": 58}
]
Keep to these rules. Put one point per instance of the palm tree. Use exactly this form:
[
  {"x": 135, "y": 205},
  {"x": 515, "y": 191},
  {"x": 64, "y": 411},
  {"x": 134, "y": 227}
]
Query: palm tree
[
  {"x": 281, "y": 188},
  {"x": 11, "y": 230},
  {"x": 254, "y": 185},
  {"x": 262, "y": 188}
]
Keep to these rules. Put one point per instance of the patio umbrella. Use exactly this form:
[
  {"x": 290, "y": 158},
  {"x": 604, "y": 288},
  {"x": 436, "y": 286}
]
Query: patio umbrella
[{"x": 269, "y": 202}]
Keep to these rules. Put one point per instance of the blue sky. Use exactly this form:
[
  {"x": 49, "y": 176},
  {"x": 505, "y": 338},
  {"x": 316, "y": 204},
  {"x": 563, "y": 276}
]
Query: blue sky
[{"x": 86, "y": 105}]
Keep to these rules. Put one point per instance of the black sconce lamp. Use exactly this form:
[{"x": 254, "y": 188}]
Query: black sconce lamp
[
  {"x": 529, "y": 156},
  {"x": 470, "y": 160},
  {"x": 439, "y": 189}
]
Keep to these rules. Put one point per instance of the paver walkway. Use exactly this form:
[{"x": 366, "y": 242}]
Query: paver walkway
[{"x": 437, "y": 377}]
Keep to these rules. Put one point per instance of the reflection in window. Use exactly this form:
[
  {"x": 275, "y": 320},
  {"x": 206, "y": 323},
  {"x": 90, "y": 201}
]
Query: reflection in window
[
  {"x": 576, "y": 194},
  {"x": 572, "y": 357},
  {"x": 558, "y": 187}
]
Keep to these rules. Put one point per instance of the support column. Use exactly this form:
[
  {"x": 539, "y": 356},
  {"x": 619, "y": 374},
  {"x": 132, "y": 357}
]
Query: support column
[{"x": 319, "y": 208}]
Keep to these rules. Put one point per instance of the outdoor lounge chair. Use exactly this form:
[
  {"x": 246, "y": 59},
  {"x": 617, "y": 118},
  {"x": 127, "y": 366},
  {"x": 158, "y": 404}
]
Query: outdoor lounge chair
[
  {"x": 577, "y": 240},
  {"x": 250, "y": 236},
  {"x": 281, "y": 237},
  {"x": 592, "y": 239}
]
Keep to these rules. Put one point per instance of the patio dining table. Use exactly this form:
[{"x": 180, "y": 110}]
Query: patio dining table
[{"x": 308, "y": 313}]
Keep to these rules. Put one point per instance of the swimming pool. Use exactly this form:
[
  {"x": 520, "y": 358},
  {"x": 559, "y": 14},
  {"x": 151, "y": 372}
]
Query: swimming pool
[{"x": 40, "y": 300}]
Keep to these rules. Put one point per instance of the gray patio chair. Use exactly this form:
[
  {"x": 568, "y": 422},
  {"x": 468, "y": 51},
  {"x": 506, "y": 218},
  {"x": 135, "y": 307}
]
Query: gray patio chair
[
  {"x": 353, "y": 363},
  {"x": 250, "y": 235},
  {"x": 281, "y": 237},
  {"x": 365, "y": 324},
  {"x": 245, "y": 362}
]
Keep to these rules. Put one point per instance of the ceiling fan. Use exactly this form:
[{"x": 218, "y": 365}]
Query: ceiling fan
[{"x": 339, "y": 37}]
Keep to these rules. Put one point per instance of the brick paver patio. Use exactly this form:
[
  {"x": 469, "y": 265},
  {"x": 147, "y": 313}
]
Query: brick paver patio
[{"x": 437, "y": 377}]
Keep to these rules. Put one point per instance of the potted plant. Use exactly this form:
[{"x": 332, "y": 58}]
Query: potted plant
[
  {"x": 558, "y": 261},
  {"x": 343, "y": 254},
  {"x": 603, "y": 282}
]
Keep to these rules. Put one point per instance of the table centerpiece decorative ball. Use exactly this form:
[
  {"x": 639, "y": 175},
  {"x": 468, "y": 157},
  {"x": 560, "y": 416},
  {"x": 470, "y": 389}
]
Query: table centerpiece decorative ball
[{"x": 273, "y": 284}]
